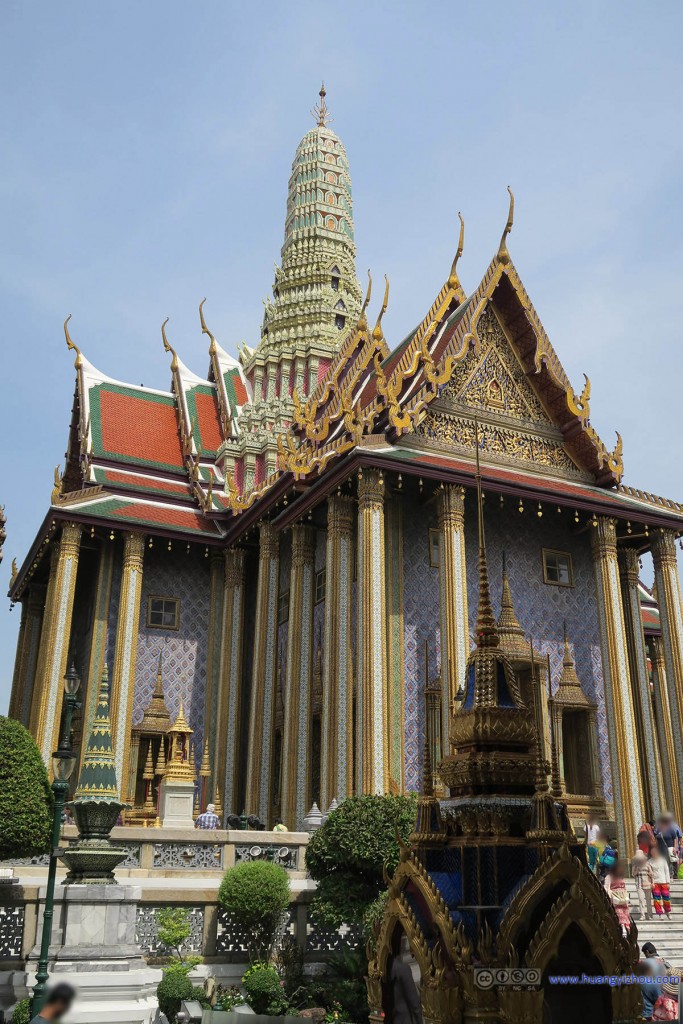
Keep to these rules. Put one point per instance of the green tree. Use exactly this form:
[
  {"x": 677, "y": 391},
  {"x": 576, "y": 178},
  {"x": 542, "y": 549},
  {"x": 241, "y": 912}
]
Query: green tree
[
  {"x": 26, "y": 801},
  {"x": 347, "y": 855},
  {"x": 173, "y": 928},
  {"x": 256, "y": 895}
]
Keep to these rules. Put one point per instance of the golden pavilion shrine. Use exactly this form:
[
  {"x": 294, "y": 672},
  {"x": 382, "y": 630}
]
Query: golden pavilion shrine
[{"x": 286, "y": 547}]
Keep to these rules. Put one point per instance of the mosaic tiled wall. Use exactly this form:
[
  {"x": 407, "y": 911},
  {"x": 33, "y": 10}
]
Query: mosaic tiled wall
[
  {"x": 542, "y": 609},
  {"x": 420, "y": 624},
  {"x": 184, "y": 651}
]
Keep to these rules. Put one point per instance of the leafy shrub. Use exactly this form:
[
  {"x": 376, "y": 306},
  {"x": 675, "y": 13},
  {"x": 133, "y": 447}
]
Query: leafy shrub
[
  {"x": 26, "y": 801},
  {"x": 173, "y": 928},
  {"x": 265, "y": 993},
  {"x": 256, "y": 896},
  {"x": 173, "y": 987},
  {"x": 22, "y": 1012},
  {"x": 348, "y": 854},
  {"x": 372, "y": 918}
]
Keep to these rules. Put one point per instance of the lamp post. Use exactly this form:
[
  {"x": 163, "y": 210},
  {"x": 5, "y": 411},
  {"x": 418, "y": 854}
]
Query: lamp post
[{"x": 63, "y": 764}]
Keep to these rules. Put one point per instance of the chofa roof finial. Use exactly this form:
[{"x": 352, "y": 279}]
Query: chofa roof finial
[
  {"x": 377, "y": 331},
  {"x": 453, "y": 276},
  {"x": 205, "y": 329},
  {"x": 71, "y": 345},
  {"x": 168, "y": 347},
  {"x": 503, "y": 254}
]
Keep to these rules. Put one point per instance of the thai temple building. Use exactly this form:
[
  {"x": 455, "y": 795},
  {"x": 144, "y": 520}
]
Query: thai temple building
[{"x": 286, "y": 548}]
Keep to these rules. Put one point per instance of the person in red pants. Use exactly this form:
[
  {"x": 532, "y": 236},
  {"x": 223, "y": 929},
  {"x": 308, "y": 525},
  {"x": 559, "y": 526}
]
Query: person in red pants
[{"x": 661, "y": 878}]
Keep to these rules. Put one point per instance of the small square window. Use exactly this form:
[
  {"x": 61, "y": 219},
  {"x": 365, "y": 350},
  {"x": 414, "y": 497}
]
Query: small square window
[
  {"x": 163, "y": 612},
  {"x": 557, "y": 568},
  {"x": 434, "y": 558},
  {"x": 320, "y": 586},
  {"x": 283, "y": 607}
]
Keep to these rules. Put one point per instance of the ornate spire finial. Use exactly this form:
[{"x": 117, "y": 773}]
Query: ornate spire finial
[
  {"x": 453, "y": 276},
  {"x": 427, "y": 777},
  {"x": 205, "y": 329},
  {"x": 362, "y": 319},
  {"x": 78, "y": 362},
  {"x": 486, "y": 633},
  {"x": 97, "y": 779},
  {"x": 168, "y": 347},
  {"x": 503, "y": 254},
  {"x": 320, "y": 113},
  {"x": 377, "y": 330}
]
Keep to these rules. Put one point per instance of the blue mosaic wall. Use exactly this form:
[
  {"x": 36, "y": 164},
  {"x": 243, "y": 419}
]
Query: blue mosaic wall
[
  {"x": 542, "y": 609},
  {"x": 184, "y": 651},
  {"x": 421, "y": 623}
]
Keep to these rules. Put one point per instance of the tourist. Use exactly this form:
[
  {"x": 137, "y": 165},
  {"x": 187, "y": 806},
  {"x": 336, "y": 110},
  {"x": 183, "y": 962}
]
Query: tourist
[
  {"x": 280, "y": 826},
  {"x": 661, "y": 877},
  {"x": 58, "y": 1002},
  {"x": 646, "y": 837},
  {"x": 405, "y": 1000},
  {"x": 608, "y": 858},
  {"x": 670, "y": 837},
  {"x": 641, "y": 870},
  {"x": 592, "y": 830},
  {"x": 666, "y": 1006},
  {"x": 209, "y": 819},
  {"x": 615, "y": 884},
  {"x": 650, "y": 989}
]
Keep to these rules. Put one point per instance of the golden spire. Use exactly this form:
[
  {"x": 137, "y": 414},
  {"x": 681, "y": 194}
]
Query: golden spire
[
  {"x": 512, "y": 639},
  {"x": 218, "y": 804},
  {"x": 503, "y": 254},
  {"x": 78, "y": 362},
  {"x": 161, "y": 760},
  {"x": 205, "y": 770},
  {"x": 453, "y": 279},
  {"x": 148, "y": 773},
  {"x": 320, "y": 113},
  {"x": 569, "y": 677},
  {"x": 486, "y": 634}
]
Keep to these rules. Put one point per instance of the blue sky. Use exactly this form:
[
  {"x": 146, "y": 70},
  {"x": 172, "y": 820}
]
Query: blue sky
[{"x": 144, "y": 155}]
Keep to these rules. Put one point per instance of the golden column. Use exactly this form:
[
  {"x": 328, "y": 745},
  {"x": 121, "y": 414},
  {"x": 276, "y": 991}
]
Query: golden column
[
  {"x": 43, "y": 646},
  {"x": 213, "y": 664},
  {"x": 226, "y": 765},
  {"x": 640, "y": 681},
  {"x": 667, "y": 749},
  {"x": 263, "y": 675},
  {"x": 371, "y": 729},
  {"x": 296, "y": 762},
  {"x": 98, "y": 645},
  {"x": 27, "y": 653},
  {"x": 54, "y": 639},
  {"x": 337, "y": 723},
  {"x": 671, "y": 617},
  {"x": 628, "y": 799},
  {"x": 125, "y": 653},
  {"x": 450, "y": 509}
]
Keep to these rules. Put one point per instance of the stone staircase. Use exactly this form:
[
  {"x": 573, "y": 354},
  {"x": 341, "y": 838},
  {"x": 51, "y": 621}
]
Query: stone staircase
[{"x": 666, "y": 935}]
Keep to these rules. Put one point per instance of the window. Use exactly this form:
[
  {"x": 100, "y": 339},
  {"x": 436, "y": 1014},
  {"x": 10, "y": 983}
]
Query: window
[
  {"x": 339, "y": 322},
  {"x": 283, "y": 607},
  {"x": 320, "y": 586},
  {"x": 434, "y": 548},
  {"x": 335, "y": 283},
  {"x": 163, "y": 612},
  {"x": 557, "y": 568}
]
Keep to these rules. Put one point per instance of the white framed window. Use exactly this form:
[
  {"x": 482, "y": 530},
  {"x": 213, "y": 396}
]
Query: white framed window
[
  {"x": 163, "y": 612},
  {"x": 557, "y": 568}
]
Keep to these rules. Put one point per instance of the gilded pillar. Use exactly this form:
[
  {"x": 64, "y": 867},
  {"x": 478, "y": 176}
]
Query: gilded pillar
[
  {"x": 337, "y": 716},
  {"x": 213, "y": 665},
  {"x": 228, "y": 739},
  {"x": 17, "y": 675},
  {"x": 640, "y": 681},
  {"x": 98, "y": 646},
  {"x": 453, "y": 591},
  {"x": 371, "y": 729},
  {"x": 125, "y": 653},
  {"x": 296, "y": 767},
  {"x": 44, "y": 646},
  {"x": 671, "y": 617},
  {"x": 263, "y": 675},
  {"x": 626, "y": 775},
  {"x": 35, "y": 608},
  {"x": 666, "y": 747},
  {"x": 54, "y": 640}
]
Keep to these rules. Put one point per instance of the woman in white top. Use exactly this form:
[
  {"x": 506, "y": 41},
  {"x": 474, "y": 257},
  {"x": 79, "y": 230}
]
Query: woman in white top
[{"x": 661, "y": 877}]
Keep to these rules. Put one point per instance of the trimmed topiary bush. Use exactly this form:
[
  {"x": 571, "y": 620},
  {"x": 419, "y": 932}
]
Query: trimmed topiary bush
[
  {"x": 22, "y": 1012},
  {"x": 265, "y": 993},
  {"x": 173, "y": 987},
  {"x": 26, "y": 801},
  {"x": 256, "y": 895},
  {"x": 347, "y": 855}
]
